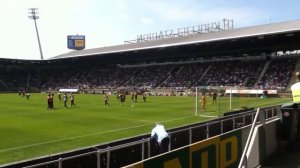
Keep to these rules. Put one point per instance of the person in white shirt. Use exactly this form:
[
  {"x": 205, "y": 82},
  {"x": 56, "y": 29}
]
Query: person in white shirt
[{"x": 162, "y": 137}]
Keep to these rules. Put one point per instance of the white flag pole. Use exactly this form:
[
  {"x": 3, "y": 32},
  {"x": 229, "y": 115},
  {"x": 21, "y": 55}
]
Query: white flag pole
[
  {"x": 230, "y": 97},
  {"x": 196, "y": 102}
]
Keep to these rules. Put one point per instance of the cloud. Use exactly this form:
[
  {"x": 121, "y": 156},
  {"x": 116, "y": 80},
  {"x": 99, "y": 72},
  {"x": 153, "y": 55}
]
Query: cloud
[
  {"x": 122, "y": 5},
  {"x": 241, "y": 16},
  {"x": 147, "y": 20},
  {"x": 112, "y": 22},
  {"x": 176, "y": 11},
  {"x": 192, "y": 12}
]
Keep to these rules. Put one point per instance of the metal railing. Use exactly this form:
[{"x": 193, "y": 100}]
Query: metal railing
[
  {"x": 142, "y": 149},
  {"x": 260, "y": 118}
]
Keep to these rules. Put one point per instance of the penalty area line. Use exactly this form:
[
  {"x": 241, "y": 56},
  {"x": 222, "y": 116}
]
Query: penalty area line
[{"x": 208, "y": 116}]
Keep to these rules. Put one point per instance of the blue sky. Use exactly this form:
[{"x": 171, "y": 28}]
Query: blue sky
[{"x": 111, "y": 22}]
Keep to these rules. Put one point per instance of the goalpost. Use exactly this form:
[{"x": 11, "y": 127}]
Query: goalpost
[{"x": 218, "y": 101}]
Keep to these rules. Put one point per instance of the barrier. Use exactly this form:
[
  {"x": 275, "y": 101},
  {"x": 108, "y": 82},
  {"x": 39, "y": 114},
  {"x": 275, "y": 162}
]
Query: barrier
[
  {"x": 224, "y": 150},
  {"x": 218, "y": 151},
  {"x": 262, "y": 140}
]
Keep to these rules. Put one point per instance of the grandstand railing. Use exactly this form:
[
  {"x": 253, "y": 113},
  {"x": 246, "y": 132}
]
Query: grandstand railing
[
  {"x": 260, "y": 118},
  {"x": 145, "y": 148}
]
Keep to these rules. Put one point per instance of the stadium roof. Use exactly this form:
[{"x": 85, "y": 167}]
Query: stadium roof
[{"x": 260, "y": 30}]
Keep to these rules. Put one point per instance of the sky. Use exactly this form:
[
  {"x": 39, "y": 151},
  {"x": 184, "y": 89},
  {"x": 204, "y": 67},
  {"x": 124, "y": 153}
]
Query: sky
[{"x": 111, "y": 22}]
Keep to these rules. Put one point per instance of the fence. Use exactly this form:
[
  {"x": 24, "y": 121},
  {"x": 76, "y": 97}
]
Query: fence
[
  {"x": 258, "y": 119},
  {"x": 128, "y": 153}
]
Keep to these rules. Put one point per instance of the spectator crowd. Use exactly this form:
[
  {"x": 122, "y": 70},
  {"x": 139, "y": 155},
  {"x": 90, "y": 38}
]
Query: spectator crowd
[{"x": 228, "y": 73}]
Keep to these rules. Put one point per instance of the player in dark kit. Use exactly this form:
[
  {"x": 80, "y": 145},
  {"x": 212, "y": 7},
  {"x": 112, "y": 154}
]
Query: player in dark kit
[
  {"x": 65, "y": 100},
  {"x": 50, "y": 101},
  {"x": 106, "y": 100},
  {"x": 135, "y": 97},
  {"x": 23, "y": 94},
  {"x": 72, "y": 98},
  {"x": 59, "y": 97},
  {"x": 144, "y": 97},
  {"x": 122, "y": 98},
  {"x": 214, "y": 98},
  {"x": 27, "y": 96},
  {"x": 132, "y": 97}
]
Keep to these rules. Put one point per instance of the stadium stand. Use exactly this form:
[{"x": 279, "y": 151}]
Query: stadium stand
[
  {"x": 277, "y": 75},
  {"x": 151, "y": 76},
  {"x": 231, "y": 74},
  {"x": 186, "y": 76}
]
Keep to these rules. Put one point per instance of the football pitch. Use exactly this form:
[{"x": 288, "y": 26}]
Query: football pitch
[{"x": 29, "y": 130}]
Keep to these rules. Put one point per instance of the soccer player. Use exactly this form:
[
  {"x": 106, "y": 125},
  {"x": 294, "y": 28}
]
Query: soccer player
[
  {"x": 23, "y": 93},
  {"x": 144, "y": 97},
  {"x": 27, "y": 96},
  {"x": 65, "y": 100},
  {"x": 203, "y": 102},
  {"x": 135, "y": 97},
  {"x": 59, "y": 96},
  {"x": 132, "y": 97},
  {"x": 122, "y": 98},
  {"x": 49, "y": 101},
  {"x": 72, "y": 98},
  {"x": 106, "y": 100},
  {"x": 214, "y": 97}
]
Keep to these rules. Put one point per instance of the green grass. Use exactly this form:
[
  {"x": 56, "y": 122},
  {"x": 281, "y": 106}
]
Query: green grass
[{"x": 29, "y": 130}]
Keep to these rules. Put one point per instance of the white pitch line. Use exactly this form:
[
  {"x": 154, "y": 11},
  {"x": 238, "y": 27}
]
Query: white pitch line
[
  {"x": 209, "y": 116},
  {"x": 87, "y": 135},
  {"x": 144, "y": 121}
]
